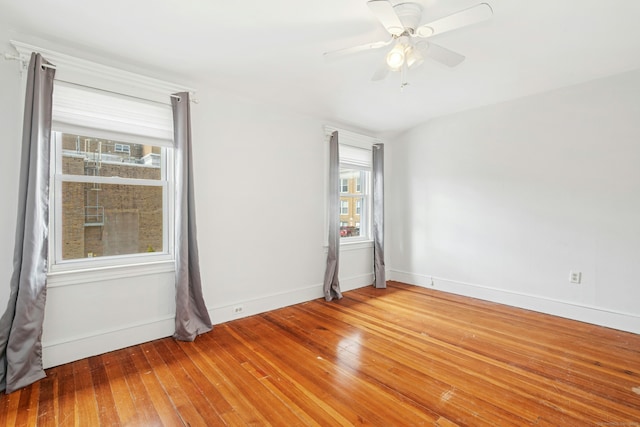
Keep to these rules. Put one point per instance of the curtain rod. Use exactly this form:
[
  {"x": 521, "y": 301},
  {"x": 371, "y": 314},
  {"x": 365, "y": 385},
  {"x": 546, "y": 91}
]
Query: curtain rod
[{"x": 11, "y": 57}]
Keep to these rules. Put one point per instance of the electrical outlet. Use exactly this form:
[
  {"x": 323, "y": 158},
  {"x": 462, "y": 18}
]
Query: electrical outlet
[
  {"x": 238, "y": 309},
  {"x": 575, "y": 277}
]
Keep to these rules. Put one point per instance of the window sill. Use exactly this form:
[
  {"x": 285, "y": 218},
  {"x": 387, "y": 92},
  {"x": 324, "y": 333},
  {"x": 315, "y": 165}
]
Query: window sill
[
  {"x": 355, "y": 245},
  {"x": 101, "y": 274}
]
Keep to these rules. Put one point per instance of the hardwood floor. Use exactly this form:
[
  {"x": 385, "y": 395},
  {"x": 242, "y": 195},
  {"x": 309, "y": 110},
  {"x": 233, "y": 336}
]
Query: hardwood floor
[{"x": 395, "y": 357}]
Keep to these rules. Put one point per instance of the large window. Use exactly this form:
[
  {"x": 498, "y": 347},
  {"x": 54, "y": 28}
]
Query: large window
[
  {"x": 112, "y": 180},
  {"x": 111, "y": 202}
]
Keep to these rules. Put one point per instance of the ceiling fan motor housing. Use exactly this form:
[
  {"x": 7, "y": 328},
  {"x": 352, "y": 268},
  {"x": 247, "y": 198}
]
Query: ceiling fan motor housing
[{"x": 409, "y": 14}]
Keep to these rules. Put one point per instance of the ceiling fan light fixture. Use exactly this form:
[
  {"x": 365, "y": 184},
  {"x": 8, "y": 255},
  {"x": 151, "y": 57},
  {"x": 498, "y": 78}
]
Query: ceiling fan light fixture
[
  {"x": 396, "y": 56},
  {"x": 413, "y": 56}
]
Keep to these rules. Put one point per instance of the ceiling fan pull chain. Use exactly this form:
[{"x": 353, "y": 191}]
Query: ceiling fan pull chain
[{"x": 403, "y": 77}]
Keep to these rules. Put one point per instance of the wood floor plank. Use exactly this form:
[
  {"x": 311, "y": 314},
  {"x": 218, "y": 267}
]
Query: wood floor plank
[
  {"x": 294, "y": 395},
  {"x": 146, "y": 412},
  {"x": 28, "y": 406},
  {"x": 107, "y": 413},
  {"x": 86, "y": 405},
  {"x": 323, "y": 373},
  {"x": 404, "y": 355},
  {"x": 47, "y": 414},
  {"x": 288, "y": 389},
  {"x": 189, "y": 378},
  {"x": 66, "y": 395},
  {"x": 158, "y": 397},
  {"x": 122, "y": 397},
  {"x": 186, "y": 411},
  {"x": 226, "y": 397},
  {"x": 9, "y": 408},
  {"x": 266, "y": 404}
]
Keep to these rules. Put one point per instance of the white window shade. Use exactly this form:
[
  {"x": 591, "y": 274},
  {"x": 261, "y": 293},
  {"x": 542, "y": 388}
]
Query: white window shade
[
  {"x": 82, "y": 110},
  {"x": 355, "y": 156}
]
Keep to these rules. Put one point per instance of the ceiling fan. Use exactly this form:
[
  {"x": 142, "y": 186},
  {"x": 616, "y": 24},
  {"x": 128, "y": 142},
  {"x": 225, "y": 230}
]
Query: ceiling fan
[{"x": 410, "y": 40}]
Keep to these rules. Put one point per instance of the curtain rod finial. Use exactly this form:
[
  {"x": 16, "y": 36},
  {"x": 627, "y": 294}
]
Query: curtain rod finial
[{"x": 21, "y": 60}]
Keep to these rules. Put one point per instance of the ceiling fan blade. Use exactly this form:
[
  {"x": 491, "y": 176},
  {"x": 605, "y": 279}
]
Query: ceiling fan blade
[
  {"x": 335, "y": 54},
  {"x": 442, "y": 54},
  {"x": 381, "y": 73},
  {"x": 383, "y": 10},
  {"x": 472, "y": 15}
]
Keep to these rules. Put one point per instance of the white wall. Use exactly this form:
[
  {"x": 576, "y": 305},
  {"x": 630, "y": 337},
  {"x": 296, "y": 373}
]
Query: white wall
[
  {"x": 260, "y": 189},
  {"x": 502, "y": 202},
  {"x": 259, "y": 178},
  {"x": 10, "y": 130}
]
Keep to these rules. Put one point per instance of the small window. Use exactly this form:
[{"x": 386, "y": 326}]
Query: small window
[
  {"x": 122, "y": 148},
  {"x": 344, "y": 207},
  {"x": 355, "y": 159},
  {"x": 344, "y": 185}
]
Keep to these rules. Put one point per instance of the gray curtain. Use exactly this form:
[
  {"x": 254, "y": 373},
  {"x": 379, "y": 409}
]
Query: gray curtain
[
  {"x": 331, "y": 282},
  {"x": 379, "y": 280},
  {"x": 21, "y": 324},
  {"x": 192, "y": 317}
]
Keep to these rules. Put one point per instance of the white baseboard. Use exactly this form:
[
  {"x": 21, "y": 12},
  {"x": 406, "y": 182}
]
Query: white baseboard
[
  {"x": 595, "y": 315},
  {"x": 79, "y": 347},
  {"x": 274, "y": 301}
]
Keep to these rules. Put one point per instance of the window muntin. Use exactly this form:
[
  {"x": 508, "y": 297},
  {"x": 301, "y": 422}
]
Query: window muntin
[{"x": 109, "y": 204}]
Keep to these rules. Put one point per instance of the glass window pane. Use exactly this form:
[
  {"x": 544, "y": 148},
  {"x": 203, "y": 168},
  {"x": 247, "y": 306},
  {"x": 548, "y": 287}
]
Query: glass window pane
[
  {"x": 350, "y": 214},
  {"x": 109, "y": 219},
  {"x": 83, "y": 155}
]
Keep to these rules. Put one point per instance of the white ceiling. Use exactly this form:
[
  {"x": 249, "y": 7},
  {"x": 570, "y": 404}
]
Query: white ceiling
[{"x": 272, "y": 50}]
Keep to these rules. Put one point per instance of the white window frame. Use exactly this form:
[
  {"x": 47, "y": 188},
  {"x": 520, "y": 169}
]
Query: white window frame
[{"x": 57, "y": 178}]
